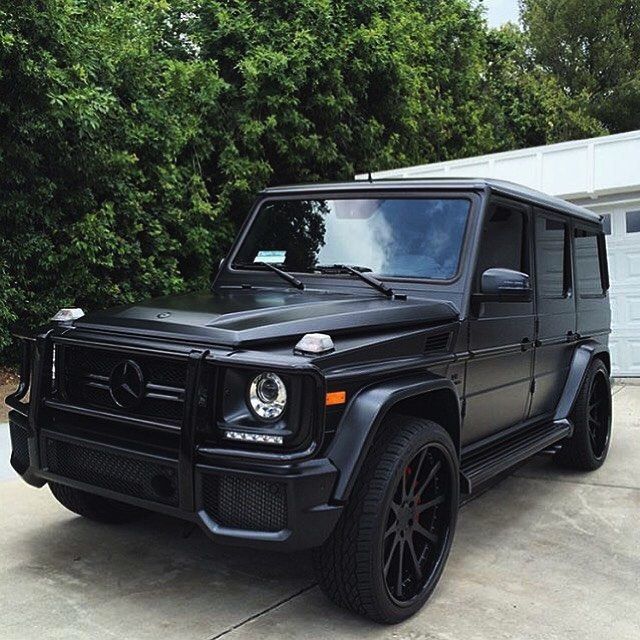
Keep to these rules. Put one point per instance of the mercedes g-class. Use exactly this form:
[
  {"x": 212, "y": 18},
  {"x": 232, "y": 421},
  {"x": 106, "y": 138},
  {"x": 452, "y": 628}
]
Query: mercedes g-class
[{"x": 370, "y": 354}]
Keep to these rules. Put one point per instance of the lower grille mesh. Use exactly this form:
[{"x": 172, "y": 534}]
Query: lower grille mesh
[
  {"x": 19, "y": 446},
  {"x": 128, "y": 476},
  {"x": 243, "y": 503}
]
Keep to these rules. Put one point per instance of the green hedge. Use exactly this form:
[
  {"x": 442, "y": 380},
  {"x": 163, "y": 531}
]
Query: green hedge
[{"x": 134, "y": 134}]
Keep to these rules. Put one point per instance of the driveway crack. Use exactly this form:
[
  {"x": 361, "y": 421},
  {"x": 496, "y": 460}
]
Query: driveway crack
[{"x": 273, "y": 607}]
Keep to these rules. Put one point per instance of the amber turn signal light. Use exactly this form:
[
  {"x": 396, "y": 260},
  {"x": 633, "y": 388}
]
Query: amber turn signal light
[{"x": 336, "y": 397}]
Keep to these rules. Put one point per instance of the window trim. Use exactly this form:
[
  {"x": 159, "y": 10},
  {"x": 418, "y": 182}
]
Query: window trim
[
  {"x": 526, "y": 257},
  {"x": 602, "y": 262},
  {"x": 472, "y": 197},
  {"x": 567, "y": 271}
]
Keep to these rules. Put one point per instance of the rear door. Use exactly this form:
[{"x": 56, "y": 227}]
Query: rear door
[{"x": 556, "y": 313}]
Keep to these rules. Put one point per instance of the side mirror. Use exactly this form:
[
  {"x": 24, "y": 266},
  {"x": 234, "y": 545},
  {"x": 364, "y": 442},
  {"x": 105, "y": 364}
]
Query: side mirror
[{"x": 505, "y": 285}]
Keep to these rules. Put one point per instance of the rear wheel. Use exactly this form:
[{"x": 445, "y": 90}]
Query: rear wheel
[
  {"x": 587, "y": 448},
  {"x": 388, "y": 551},
  {"x": 92, "y": 506}
]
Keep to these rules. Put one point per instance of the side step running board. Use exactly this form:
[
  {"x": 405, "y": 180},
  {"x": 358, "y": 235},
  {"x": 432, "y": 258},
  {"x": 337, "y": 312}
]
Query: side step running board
[{"x": 485, "y": 462}]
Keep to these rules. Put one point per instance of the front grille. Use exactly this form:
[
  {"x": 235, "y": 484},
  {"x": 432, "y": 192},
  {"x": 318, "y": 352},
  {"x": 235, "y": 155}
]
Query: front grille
[
  {"x": 129, "y": 476},
  {"x": 19, "y": 446},
  {"x": 243, "y": 503},
  {"x": 87, "y": 382}
]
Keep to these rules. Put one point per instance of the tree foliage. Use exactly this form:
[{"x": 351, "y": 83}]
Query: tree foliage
[
  {"x": 527, "y": 106},
  {"x": 133, "y": 134},
  {"x": 593, "y": 47},
  {"x": 322, "y": 89},
  {"x": 102, "y": 199}
]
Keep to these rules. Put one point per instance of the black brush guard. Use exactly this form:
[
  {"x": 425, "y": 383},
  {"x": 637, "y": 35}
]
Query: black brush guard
[{"x": 274, "y": 499}]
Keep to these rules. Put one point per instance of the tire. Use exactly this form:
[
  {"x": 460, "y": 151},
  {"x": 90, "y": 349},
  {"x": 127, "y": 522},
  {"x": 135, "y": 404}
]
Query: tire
[
  {"x": 587, "y": 448},
  {"x": 92, "y": 506},
  {"x": 358, "y": 565}
]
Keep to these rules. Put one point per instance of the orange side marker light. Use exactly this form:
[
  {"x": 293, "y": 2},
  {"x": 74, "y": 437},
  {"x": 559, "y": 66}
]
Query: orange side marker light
[{"x": 336, "y": 397}]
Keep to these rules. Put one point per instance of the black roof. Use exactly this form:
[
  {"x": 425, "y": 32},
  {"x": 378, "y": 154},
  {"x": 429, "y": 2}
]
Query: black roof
[{"x": 502, "y": 187}]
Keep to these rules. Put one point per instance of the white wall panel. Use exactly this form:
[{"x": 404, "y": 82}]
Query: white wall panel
[{"x": 565, "y": 171}]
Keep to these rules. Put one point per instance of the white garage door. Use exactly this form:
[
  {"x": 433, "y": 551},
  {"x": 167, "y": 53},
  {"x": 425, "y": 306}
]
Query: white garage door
[{"x": 623, "y": 248}]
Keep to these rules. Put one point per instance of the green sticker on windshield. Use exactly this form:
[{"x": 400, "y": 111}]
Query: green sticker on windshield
[{"x": 271, "y": 257}]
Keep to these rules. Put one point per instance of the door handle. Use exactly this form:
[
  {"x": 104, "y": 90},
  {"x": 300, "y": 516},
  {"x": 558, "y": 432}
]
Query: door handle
[{"x": 525, "y": 343}]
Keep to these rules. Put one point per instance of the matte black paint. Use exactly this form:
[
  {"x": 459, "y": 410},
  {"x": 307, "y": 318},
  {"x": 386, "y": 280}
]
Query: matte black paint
[
  {"x": 364, "y": 415},
  {"x": 244, "y": 317},
  {"x": 501, "y": 378}
]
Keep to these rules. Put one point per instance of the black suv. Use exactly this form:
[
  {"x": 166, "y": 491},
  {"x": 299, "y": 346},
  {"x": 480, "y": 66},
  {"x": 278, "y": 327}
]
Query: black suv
[{"x": 370, "y": 355}]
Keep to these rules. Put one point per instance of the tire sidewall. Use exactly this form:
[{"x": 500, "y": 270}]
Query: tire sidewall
[{"x": 597, "y": 369}]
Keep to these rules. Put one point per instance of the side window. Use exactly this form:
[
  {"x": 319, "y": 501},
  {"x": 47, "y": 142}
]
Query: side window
[
  {"x": 503, "y": 243},
  {"x": 588, "y": 272},
  {"x": 553, "y": 270}
]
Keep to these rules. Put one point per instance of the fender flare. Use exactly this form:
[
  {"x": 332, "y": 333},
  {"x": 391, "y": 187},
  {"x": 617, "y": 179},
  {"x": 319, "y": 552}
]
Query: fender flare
[
  {"x": 362, "y": 419},
  {"x": 582, "y": 358}
]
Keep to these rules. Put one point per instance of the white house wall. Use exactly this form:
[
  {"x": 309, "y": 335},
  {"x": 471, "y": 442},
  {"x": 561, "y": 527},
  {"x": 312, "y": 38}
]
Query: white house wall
[{"x": 575, "y": 169}]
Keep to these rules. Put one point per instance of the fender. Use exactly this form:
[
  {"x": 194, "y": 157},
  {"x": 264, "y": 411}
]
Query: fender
[
  {"x": 582, "y": 357},
  {"x": 362, "y": 418}
]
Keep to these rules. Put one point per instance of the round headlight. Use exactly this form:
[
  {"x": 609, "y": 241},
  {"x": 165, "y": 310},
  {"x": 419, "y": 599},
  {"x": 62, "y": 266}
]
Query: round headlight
[{"x": 268, "y": 396}]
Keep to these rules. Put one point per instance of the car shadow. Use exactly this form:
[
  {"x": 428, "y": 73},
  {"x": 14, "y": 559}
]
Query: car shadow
[
  {"x": 157, "y": 536},
  {"x": 161, "y": 562}
]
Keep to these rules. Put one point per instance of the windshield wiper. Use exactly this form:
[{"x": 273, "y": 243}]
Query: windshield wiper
[
  {"x": 358, "y": 272},
  {"x": 291, "y": 279}
]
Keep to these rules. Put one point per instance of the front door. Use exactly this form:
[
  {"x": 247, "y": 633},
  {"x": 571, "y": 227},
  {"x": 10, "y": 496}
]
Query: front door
[{"x": 501, "y": 334}]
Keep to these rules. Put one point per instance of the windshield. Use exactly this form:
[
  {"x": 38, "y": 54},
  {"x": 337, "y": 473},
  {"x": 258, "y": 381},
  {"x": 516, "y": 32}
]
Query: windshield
[{"x": 393, "y": 237}]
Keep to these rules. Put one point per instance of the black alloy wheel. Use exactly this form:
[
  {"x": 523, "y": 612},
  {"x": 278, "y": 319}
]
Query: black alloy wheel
[
  {"x": 388, "y": 551},
  {"x": 599, "y": 415},
  {"x": 417, "y": 524},
  {"x": 587, "y": 448}
]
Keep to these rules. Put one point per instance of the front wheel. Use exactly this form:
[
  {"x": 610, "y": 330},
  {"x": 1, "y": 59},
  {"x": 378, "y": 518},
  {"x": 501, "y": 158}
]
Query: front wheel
[{"x": 390, "y": 546}]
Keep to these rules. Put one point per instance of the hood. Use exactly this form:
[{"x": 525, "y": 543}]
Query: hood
[{"x": 242, "y": 317}]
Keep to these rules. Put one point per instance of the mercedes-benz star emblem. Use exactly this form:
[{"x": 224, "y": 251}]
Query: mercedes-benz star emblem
[{"x": 126, "y": 384}]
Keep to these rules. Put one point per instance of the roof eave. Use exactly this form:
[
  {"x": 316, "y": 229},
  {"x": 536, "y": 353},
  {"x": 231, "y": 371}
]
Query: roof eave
[{"x": 501, "y": 187}]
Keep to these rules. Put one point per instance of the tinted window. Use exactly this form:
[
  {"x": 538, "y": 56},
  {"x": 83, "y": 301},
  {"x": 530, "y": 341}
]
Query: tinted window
[
  {"x": 551, "y": 263},
  {"x": 503, "y": 241},
  {"x": 588, "y": 274},
  {"x": 400, "y": 237},
  {"x": 633, "y": 221}
]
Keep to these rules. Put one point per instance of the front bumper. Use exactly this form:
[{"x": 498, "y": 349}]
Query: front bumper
[
  {"x": 281, "y": 501},
  {"x": 282, "y": 507}
]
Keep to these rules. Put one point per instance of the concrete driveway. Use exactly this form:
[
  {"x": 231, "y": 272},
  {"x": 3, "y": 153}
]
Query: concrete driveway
[{"x": 545, "y": 554}]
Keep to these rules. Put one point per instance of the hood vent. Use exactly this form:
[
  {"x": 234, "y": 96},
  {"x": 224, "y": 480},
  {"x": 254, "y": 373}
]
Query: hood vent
[{"x": 437, "y": 343}]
